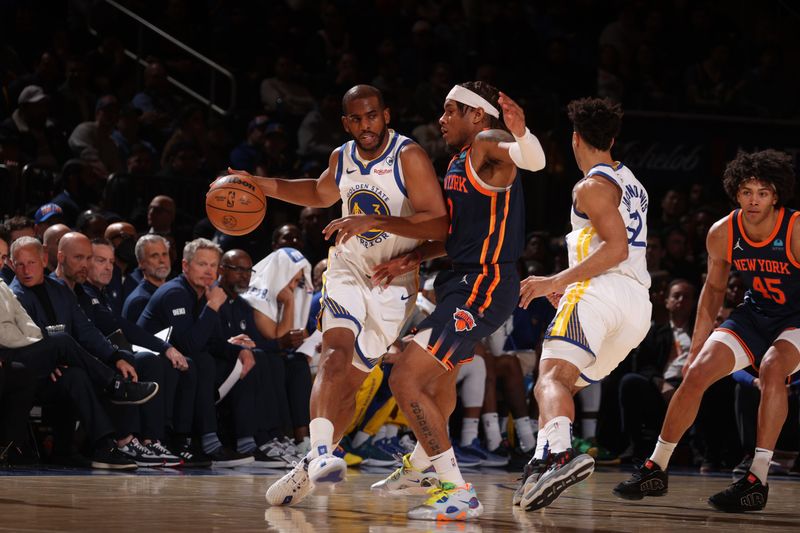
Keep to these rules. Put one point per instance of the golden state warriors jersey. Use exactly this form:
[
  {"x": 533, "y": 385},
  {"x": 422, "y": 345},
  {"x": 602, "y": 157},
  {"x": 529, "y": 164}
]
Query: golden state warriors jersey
[
  {"x": 583, "y": 238},
  {"x": 374, "y": 187}
]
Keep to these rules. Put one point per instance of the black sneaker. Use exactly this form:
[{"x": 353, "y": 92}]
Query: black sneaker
[
  {"x": 125, "y": 392},
  {"x": 745, "y": 494},
  {"x": 648, "y": 480},
  {"x": 530, "y": 475},
  {"x": 262, "y": 460},
  {"x": 566, "y": 469},
  {"x": 165, "y": 454},
  {"x": 112, "y": 459},
  {"x": 139, "y": 454},
  {"x": 191, "y": 458},
  {"x": 224, "y": 457}
]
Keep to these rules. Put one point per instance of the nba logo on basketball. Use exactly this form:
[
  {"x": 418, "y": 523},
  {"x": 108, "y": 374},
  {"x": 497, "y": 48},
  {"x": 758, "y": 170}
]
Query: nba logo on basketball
[{"x": 464, "y": 320}]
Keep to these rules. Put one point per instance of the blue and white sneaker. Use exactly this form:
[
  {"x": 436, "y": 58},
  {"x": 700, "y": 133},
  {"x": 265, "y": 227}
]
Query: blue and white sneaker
[
  {"x": 449, "y": 503},
  {"x": 327, "y": 469},
  {"x": 486, "y": 457},
  {"x": 292, "y": 488},
  {"x": 407, "y": 480}
]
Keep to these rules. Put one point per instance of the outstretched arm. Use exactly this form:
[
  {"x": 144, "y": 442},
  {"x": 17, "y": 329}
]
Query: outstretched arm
[
  {"x": 430, "y": 220},
  {"x": 321, "y": 192}
]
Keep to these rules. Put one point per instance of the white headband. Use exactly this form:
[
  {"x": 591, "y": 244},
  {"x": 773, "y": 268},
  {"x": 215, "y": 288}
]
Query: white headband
[{"x": 465, "y": 96}]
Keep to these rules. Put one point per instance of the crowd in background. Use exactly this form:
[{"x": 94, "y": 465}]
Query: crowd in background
[{"x": 113, "y": 155}]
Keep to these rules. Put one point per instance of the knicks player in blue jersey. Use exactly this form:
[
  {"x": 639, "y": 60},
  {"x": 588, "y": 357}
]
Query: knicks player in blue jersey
[
  {"x": 760, "y": 240},
  {"x": 385, "y": 174},
  {"x": 484, "y": 241}
]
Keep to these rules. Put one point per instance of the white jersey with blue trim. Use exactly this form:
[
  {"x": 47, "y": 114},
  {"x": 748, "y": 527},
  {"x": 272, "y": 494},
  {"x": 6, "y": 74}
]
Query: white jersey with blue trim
[
  {"x": 583, "y": 239},
  {"x": 374, "y": 187}
]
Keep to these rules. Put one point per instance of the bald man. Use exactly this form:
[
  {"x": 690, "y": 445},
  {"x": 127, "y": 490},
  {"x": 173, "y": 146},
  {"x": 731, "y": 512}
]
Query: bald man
[
  {"x": 161, "y": 214},
  {"x": 52, "y": 236},
  {"x": 122, "y": 236}
]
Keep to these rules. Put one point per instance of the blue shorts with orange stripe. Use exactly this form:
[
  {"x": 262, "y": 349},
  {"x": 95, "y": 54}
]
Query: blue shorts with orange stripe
[
  {"x": 756, "y": 332},
  {"x": 472, "y": 302}
]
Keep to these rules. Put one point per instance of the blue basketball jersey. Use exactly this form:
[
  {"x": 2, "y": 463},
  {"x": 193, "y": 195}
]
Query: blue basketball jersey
[
  {"x": 487, "y": 224},
  {"x": 769, "y": 270}
]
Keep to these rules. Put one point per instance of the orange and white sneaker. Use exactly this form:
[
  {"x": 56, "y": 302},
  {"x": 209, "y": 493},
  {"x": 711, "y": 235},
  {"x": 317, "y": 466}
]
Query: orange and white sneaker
[{"x": 449, "y": 503}]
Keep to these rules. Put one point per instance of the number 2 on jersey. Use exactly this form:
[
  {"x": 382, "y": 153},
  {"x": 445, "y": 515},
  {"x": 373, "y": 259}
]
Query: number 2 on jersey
[{"x": 769, "y": 289}]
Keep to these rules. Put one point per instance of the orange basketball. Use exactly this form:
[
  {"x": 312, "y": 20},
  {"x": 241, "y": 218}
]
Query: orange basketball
[{"x": 235, "y": 205}]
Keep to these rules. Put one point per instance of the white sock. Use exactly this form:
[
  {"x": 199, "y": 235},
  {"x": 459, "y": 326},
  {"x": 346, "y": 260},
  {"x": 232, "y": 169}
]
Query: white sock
[
  {"x": 542, "y": 449},
  {"x": 558, "y": 434},
  {"x": 663, "y": 453},
  {"x": 760, "y": 466},
  {"x": 469, "y": 430},
  {"x": 419, "y": 459},
  {"x": 491, "y": 428},
  {"x": 447, "y": 468},
  {"x": 391, "y": 431},
  {"x": 321, "y": 430},
  {"x": 524, "y": 433},
  {"x": 360, "y": 438},
  {"x": 381, "y": 434}
]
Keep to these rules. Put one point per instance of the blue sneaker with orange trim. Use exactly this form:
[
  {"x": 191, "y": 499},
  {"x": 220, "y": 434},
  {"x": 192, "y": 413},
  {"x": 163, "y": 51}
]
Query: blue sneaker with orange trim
[{"x": 449, "y": 503}]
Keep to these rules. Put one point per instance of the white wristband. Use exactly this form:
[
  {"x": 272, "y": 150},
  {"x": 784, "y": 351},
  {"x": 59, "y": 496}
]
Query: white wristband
[{"x": 527, "y": 152}]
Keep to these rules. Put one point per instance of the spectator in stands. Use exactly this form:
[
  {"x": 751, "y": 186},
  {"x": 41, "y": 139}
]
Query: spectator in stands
[
  {"x": 141, "y": 160},
  {"x": 321, "y": 130},
  {"x": 40, "y": 142},
  {"x": 126, "y": 136},
  {"x": 50, "y": 240},
  {"x": 80, "y": 188},
  {"x": 248, "y": 154},
  {"x": 734, "y": 293},
  {"x": 122, "y": 236},
  {"x": 152, "y": 255},
  {"x": 276, "y": 158},
  {"x": 161, "y": 215},
  {"x": 91, "y": 223},
  {"x": 74, "y": 100},
  {"x": 191, "y": 127},
  {"x": 97, "y": 134},
  {"x": 658, "y": 361},
  {"x": 189, "y": 304},
  {"x": 6, "y": 272},
  {"x": 287, "y": 236},
  {"x": 53, "y": 307},
  {"x": 46, "y": 74},
  {"x": 283, "y": 95},
  {"x": 314, "y": 245},
  {"x": 654, "y": 252},
  {"x": 19, "y": 226},
  {"x": 677, "y": 258},
  {"x": 17, "y": 390},
  {"x": 157, "y": 102},
  {"x": 46, "y": 216},
  {"x": 673, "y": 207}
]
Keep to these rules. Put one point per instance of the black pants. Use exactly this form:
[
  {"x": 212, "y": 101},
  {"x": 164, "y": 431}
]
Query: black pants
[
  {"x": 60, "y": 349},
  {"x": 205, "y": 412},
  {"x": 245, "y": 399},
  {"x": 17, "y": 389},
  {"x": 643, "y": 409},
  {"x": 75, "y": 387},
  {"x": 146, "y": 420},
  {"x": 290, "y": 378},
  {"x": 180, "y": 389}
]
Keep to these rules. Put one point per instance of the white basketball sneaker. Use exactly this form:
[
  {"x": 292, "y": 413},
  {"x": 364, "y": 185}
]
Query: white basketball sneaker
[
  {"x": 293, "y": 487},
  {"x": 449, "y": 502},
  {"x": 327, "y": 469},
  {"x": 407, "y": 480}
]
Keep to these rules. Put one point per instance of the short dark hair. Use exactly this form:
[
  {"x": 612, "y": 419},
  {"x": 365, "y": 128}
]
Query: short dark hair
[
  {"x": 491, "y": 94},
  {"x": 769, "y": 166},
  {"x": 102, "y": 241},
  {"x": 597, "y": 120},
  {"x": 359, "y": 92},
  {"x": 17, "y": 223}
]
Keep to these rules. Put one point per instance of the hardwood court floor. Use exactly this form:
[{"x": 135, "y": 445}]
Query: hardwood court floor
[{"x": 230, "y": 500}]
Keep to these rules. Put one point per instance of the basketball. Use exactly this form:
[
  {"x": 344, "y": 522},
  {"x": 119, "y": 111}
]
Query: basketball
[{"x": 235, "y": 205}]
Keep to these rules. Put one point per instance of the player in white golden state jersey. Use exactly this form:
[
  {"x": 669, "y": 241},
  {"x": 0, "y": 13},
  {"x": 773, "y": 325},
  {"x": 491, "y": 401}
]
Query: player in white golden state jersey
[
  {"x": 604, "y": 306},
  {"x": 384, "y": 174}
]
